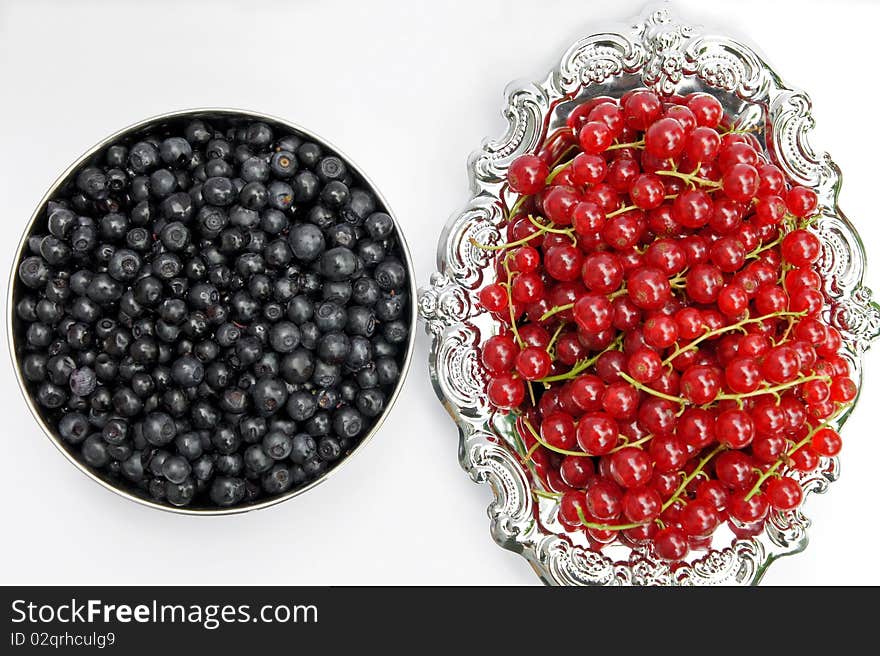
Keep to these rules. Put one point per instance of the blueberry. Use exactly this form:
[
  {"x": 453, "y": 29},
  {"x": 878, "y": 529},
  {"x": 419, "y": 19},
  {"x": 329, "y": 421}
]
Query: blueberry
[
  {"x": 197, "y": 132},
  {"x": 298, "y": 367},
  {"x": 133, "y": 467},
  {"x": 73, "y": 427},
  {"x": 337, "y": 291},
  {"x": 34, "y": 272},
  {"x": 277, "y": 445},
  {"x": 280, "y": 195},
  {"x": 330, "y": 317},
  {"x": 218, "y": 191},
  {"x": 303, "y": 448},
  {"x": 338, "y": 263},
  {"x": 326, "y": 374},
  {"x": 309, "y": 154},
  {"x": 300, "y": 309},
  {"x": 50, "y": 395},
  {"x": 347, "y": 422},
  {"x": 180, "y": 494},
  {"x": 360, "y": 353},
  {"x": 284, "y": 164},
  {"x": 203, "y": 468},
  {"x": 258, "y": 135},
  {"x": 115, "y": 431},
  {"x": 225, "y": 440},
  {"x": 301, "y": 406},
  {"x": 175, "y": 236},
  {"x": 26, "y": 309},
  {"x": 178, "y": 207},
  {"x": 94, "y": 451},
  {"x": 256, "y": 459},
  {"x": 361, "y": 204},
  {"x": 395, "y": 331},
  {"x": 252, "y": 429},
  {"x": 370, "y": 402},
  {"x": 314, "y": 467},
  {"x": 342, "y": 234},
  {"x": 124, "y": 265},
  {"x": 189, "y": 445},
  {"x": 159, "y": 428},
  {"x": 335, "y": 194},
  {"x": 277, "y": 480},
  {"x": 253, "y": 196},
  {"x": 83, "y": 381},
  {"x": 284, "y": 337},
  {"x": 305, "y": 187},
  {"x": 334, "y": 347},
  {"x": 227, "y": 491},
  {"x": 176, "y": 151},
  {"x": 379, "y": 225},
  {"x": 360, "y": 321},
  {"x": 92, "y": 181},
  {"x": 143, "y": 157},
  {"x": 54, "y": 251},
  {"x": 187, "y": 371},
  {"x": 328, "y": 449},
  {"x": 176, "y": 469},
  {"x": 255, "y": 169},
  {"x": 273, "y": 221},
  {"x": 390, "y": 275},
  {"x": 306, "y": 241},
  {"x": 61, "y": 221},
  {"x": 330, "y": 168},
  {"x": 269, "y": 395}
]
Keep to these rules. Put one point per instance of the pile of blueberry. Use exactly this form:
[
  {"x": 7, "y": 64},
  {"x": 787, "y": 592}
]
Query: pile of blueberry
[{"x": 212, "y": 313}]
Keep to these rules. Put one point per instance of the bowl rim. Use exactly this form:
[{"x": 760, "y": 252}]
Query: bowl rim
[{"x": 143, "y": 124}]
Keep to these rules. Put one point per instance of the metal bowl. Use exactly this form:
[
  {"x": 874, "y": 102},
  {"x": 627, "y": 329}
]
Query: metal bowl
[
  {"x": 130, "y": 135},
  {"x": 661, "y": 52}
]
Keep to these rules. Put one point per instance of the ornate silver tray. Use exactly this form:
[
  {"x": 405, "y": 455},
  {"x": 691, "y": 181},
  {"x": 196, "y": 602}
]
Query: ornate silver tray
[{"x": 659, "y": 51}]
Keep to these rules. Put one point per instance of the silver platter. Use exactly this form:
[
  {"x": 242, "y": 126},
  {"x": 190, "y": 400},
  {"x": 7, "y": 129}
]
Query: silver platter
[{"x": 662, "y": 52}]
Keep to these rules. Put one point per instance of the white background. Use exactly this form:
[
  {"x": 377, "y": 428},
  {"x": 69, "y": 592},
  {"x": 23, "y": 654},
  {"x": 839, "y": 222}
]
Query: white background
[{"x": 407, "y": 89}]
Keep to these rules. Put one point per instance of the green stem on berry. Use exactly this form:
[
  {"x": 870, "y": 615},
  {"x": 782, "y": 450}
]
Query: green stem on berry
[
  {"x": 764, "y": 247},
  {"x": 531, "y": 393},
  {"x": 568, "y": 232},
  {"x": 556, "y": 171},
  {"x": 556, "y": 309},
  {"x": 506, "y": 245},
  {"x": 632, "y": 144},
  {"x": 605, "y": 527},
  {"x": 648, "y": 390},
  {"x": 692, "y": 179},
  {"x": 679, "y": 281},
  {"x": 687, "y": 479},
  {"x": 519, "y": 203},
  {"x": 724, "y": 329},
  {"x": 788, "y": 454},
  {"x": 735, "y": 130},
  {"x": 626, "y": 443},
  {"x": 621, "y": 210},
  {"x": 582, "y": 365},
  {"x": 531, "y": 451},
  {"x": 510, "y": 303},
  {"x": 539, "y": 441},
  {"x": 556, "y": 334},
  {"x": 774, "y": 389},
  {"x": 546, "y": 495}
]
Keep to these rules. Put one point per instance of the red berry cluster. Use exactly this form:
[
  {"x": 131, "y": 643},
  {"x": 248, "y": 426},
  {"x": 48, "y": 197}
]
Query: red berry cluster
[{"x": 660, "y": 334}]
